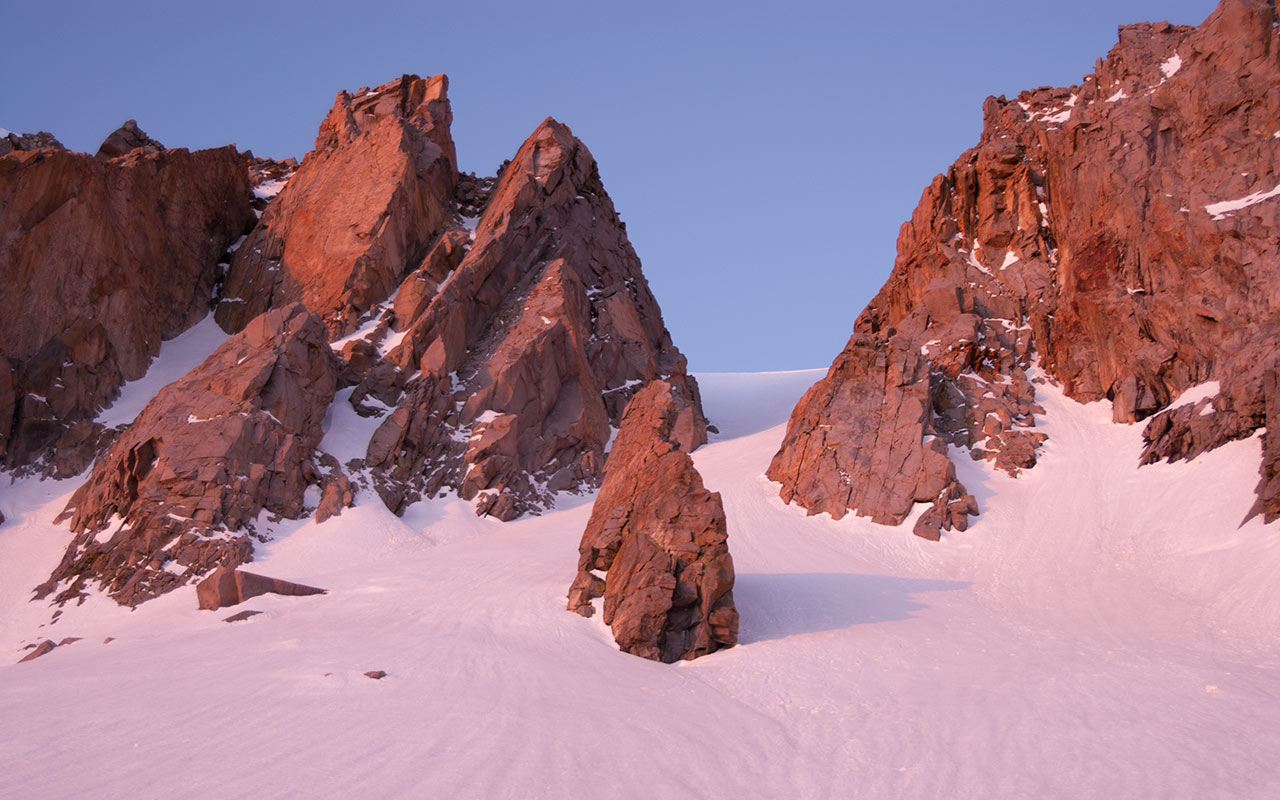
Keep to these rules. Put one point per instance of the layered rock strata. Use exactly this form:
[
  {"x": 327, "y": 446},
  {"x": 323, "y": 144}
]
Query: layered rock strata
[
  {"x": 101, "y": 260},
  {"x": 656, "y": 545},
  {"x": 1121, "y": 235},
  {"x": 180, "y": 491},
  {"x": 361, "y": 210}
]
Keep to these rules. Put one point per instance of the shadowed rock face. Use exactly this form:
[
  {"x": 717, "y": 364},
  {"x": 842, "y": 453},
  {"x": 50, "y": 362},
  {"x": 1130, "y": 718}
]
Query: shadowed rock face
[
  {"x": 1085, "y": 234},
  {"x": 101, "y": 260},
  {"x": 659, "y": 536},
  {"x": 126, "y": 138},
  {"x": 174, "y": 495},
  {"x": 523, "y": 346},
  {"x": 361, "y": 210}
]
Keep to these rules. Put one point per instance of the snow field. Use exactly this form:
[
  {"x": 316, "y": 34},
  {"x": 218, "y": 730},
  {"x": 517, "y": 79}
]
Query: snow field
[{"x": 1099, "y": 631}]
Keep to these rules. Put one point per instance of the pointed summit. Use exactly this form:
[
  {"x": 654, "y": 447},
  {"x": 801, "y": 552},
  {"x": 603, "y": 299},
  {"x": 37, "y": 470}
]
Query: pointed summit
[{"x": 359, "y": 212}]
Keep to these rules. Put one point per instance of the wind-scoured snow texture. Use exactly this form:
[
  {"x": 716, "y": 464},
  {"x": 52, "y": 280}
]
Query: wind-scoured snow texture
[
  {"x": 171, "y": 498},
  {"x": 359, "y": 213},
  {"x": 1079, "y": 641},
  {"x": 1078, "y": 232},
  {"x": 659, "y": 536},
  {"x": 518, "y": 360},
  {"x": 101, "y": 260}
]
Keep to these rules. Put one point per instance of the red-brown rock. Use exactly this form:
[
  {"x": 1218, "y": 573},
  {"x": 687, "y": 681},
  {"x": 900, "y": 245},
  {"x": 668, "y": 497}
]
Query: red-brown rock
[
  {"x": 44, "y": 648},
  {"x": 659, "y": 536},
  {"x": 227, "y": 586},
  {"x": 360, "y": 212},
  {"x": 1085, "y": 233},
  {"x": 174, "y": 495},
  {"x": 515, "y": 365},
  {"x": 101, "y": 261},
  {"x": 862, "y": 439}
]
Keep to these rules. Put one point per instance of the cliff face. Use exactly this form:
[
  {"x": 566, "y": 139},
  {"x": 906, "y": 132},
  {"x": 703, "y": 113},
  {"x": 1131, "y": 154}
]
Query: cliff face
[
  {"x": 1121, "y": 235},
  {"x": 659, "y": 538},
  {"x": 358, "y": 213},
  {"x": 102, "y": 259}
]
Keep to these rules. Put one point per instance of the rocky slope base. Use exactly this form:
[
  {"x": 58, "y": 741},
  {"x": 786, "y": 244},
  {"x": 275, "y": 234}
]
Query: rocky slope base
[{"x": 1120, "y": 234}]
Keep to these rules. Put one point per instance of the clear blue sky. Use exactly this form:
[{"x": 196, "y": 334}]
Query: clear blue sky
[{"x": 763, "y": 155}]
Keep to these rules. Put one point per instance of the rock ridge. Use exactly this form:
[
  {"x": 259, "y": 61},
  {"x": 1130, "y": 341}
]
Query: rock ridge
[{"x": 1093, "y": 234}]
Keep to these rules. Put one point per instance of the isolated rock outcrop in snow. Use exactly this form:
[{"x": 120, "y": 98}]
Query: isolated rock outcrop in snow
[
  {"x": 101, "y": 260},
  {"x": 179, "y": 492},
  {"x": 361, "y": 210},
  {"x": 659, "y": 536},
  {"x": 523, "y": 345},
  {"x": 227, "y": 586},
  {"x": 1123, "y": 234}
]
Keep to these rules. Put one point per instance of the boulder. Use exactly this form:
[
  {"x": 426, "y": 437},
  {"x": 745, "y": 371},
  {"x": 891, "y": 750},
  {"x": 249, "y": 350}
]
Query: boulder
[
  {"x": 44, "y": 648},
  {"x": 227, "y": 586},
  {"x": 29, "y": 141},
  {"x": 659, "y": 537},
  {"x": 127, "y": 138}
]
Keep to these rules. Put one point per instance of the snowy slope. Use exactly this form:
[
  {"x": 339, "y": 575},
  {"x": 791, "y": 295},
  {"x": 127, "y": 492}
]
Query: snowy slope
[{"x": 1100, "y": 631}]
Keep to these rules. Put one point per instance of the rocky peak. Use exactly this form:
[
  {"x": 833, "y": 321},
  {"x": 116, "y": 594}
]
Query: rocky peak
[
  {"x": 127, "y": 138},
  {"x": 520, "y": 358},
  {"x": 1114, "y": 234},
  {"x": 359, "y": 213},
  {"x": 499, "y": 325},
  {"x": 420, "y": 102}
]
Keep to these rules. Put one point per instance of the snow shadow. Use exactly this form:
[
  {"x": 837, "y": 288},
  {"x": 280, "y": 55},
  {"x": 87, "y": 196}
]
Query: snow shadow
[
  {"x": 743, "y": 403},
  {"x": 778, "y": 605}
]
